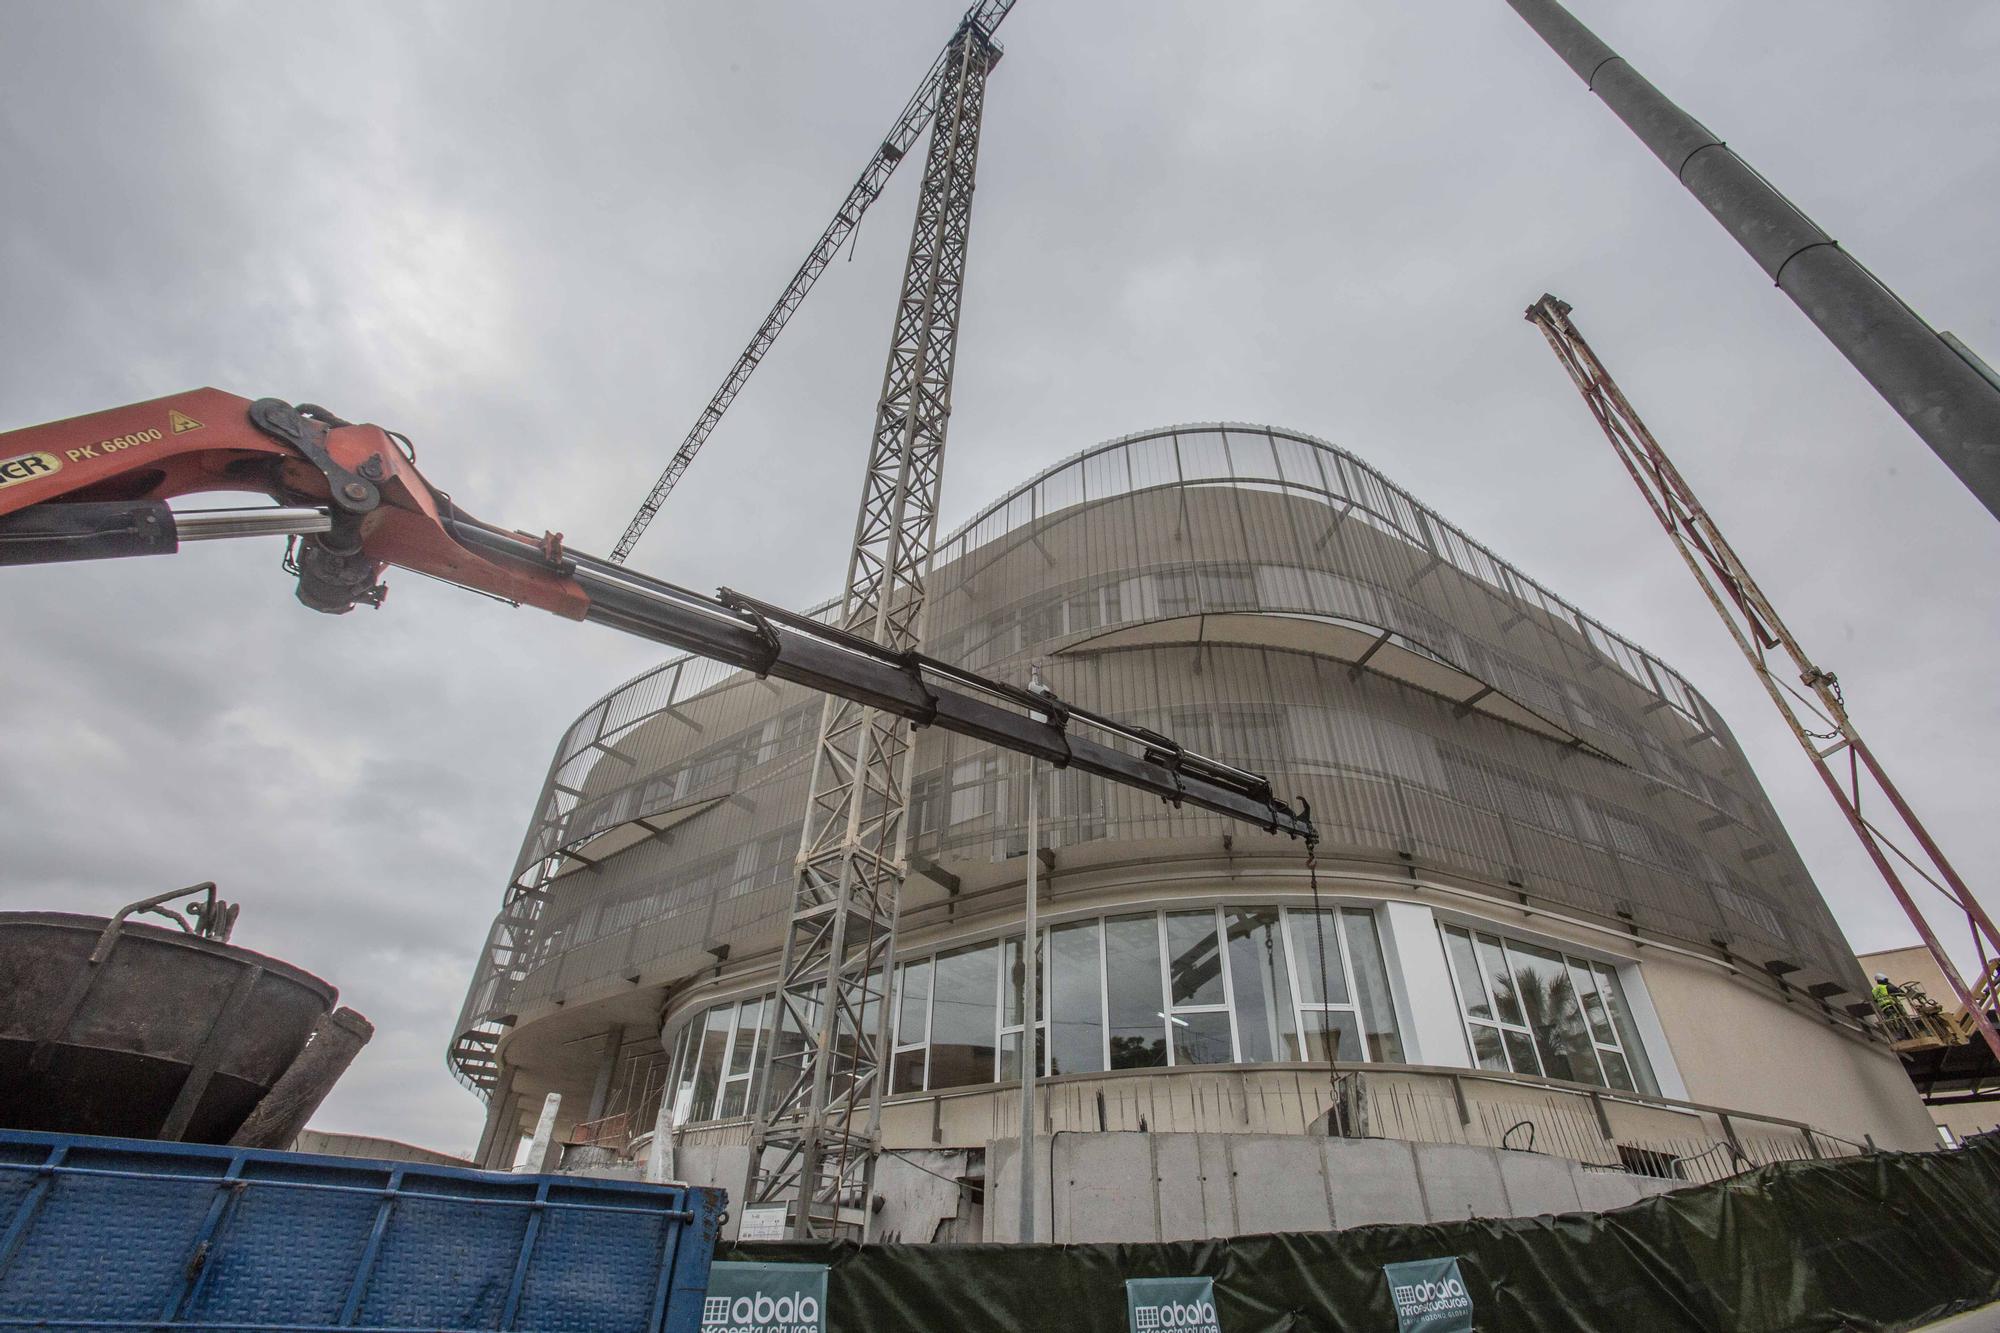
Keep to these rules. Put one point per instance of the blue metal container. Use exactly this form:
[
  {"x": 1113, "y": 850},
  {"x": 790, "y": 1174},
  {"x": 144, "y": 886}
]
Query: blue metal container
[{"x": 131, "y": 1234}]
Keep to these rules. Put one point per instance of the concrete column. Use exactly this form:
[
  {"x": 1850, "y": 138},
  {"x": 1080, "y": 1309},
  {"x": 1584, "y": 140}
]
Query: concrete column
[
  {"x": 545, "y": 1151},
  {"x": 607, "y": 1068},
  {"x": 1420, "y": 981},
  {"x": 660, "y": 1152},
  {"x": 499, "y": 1116}
]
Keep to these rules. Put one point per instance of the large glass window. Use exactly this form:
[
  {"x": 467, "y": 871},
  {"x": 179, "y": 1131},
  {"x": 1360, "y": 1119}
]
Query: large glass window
[
  {"x": 913, "y": 1026},
  {"x": 962, "y": 1014},
  {"x": 1076, "y": 1000},
  {"x": 1143, "y": 990},
  {"x": 1329, "y": 1028},
  {"x": 1198, "y": 1007},
  {"x": 1012, "y": 1001},
  {"x": 1371, "y": 985},
  {"x": 1135, "y": 997},
  {"x": 1533, "y": 1010},
  {"x": 1260, "y": 984},
  {"x": 740, "y": 1068},
  {"x": 708, "y": 1058}
]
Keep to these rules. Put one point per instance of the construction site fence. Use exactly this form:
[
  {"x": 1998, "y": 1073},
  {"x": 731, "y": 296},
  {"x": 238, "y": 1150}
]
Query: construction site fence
[{"x": 1884, "y": 1241}]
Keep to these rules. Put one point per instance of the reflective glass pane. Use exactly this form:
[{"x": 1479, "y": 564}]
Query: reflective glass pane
[
  {"x": 1585, "y": 982},
  {"x": 708, "y": 1059},
  {"x": 962, "y": 1014},
  {"x": 1263, "y": 988},
  {"x": 1330, "y": 1034},
  {"x": 1010, "y": 1055},
  {"x": 1521, "y": 1052},
  {"x": 684, "y": 1064},
  {"x": 1628, "y": 1031},
  {"x": 1486, "y": 1047},
  {"x": 907, "y": 1071},
  {"x": 1132, "y": 963},
  {"x": 1201, "y": 1038},
  {"x": 1616, "y": 1072},
  {"x": 1316, "y": 950},
  {"x": 1010, "y": 984},
  {"x": 742, "y": 1053},
  {"x": 913, "y": 987},
  {"x": 1548, "y": 999},
  {"x": 1506, "y": 1004},
  {"x": 733, "y": 1093},
  {"x": 1371, "y": 985},
  {"x": 789, "y": 1042},
  {"x": 871, "y": 1008},
  {"x": 1076, "y": 1001},
  {"x": 1465, "y": 970},
  {"x": 1194, "y": 959}
]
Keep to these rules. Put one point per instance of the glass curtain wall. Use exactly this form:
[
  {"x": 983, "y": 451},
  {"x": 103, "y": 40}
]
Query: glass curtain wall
[{"x": 1188, "y": 986}]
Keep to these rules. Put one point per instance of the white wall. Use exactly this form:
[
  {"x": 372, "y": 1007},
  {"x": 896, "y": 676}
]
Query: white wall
[{"x": 1740, "y": 1046}]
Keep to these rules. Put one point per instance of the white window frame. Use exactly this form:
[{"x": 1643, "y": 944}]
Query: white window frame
[
  {"x": 1300, "y": 1007},
  {"x": 1169, "y": 1011},
  {"x": 1593, "y": 966},
  {"x": 1003, "y": 1029},
  {"x": 728, "y": 1053},
  {"x": 899, "y": 1043}
]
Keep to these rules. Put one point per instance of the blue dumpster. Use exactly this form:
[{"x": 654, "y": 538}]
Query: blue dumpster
[{"x": 132, "y": 1234}]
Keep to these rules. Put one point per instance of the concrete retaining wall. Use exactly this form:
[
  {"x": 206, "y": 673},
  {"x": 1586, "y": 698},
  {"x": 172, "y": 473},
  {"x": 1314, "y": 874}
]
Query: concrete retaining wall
[{"x": 1156, "y": 1187}]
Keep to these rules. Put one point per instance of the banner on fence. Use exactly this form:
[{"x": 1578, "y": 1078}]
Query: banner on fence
[
  {"x": 765, "y": 1298},
  {"x": 1429, "y": 1296},
  {"x": 1171, "y": 1305}
]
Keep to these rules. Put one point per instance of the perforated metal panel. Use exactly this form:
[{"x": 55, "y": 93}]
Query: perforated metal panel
[{"x": 1149, "y": 572}]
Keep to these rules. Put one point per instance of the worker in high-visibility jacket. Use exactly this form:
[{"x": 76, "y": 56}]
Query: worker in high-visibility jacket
[{"x": 1888, "y": 997}]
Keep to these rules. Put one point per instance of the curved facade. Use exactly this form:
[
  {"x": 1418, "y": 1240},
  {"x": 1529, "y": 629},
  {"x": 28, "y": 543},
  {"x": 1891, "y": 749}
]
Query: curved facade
[{"x": 1518, "y": 806}]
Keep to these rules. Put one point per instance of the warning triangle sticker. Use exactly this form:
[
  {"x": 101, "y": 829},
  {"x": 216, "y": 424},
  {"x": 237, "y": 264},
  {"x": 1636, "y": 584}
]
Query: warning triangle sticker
[{"x": 182, "y": 422}]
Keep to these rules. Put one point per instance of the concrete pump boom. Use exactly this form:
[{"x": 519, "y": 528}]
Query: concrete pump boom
[
  {"x": 1942, "y": 392},
  {"x": 1818, "y": 721}
]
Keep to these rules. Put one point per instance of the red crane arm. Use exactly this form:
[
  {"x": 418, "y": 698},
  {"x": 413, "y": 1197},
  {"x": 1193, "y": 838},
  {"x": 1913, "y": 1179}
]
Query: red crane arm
[{"x": 97, "y": 485}]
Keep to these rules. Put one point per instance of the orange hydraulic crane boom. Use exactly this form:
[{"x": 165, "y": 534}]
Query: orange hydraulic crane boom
[
  {"x": 97, "y": 486},
  {"x": 984, "y": 16}
]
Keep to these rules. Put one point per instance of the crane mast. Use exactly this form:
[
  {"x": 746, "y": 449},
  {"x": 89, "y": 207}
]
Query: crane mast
[
  {"x": 1818, "y": 719},
  {"x": 819, "y": 1114},
  {"x": 917, "y": 113}
]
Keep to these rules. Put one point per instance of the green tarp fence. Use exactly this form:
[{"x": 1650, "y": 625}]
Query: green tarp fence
[{"x": 1886, "y": 1241}]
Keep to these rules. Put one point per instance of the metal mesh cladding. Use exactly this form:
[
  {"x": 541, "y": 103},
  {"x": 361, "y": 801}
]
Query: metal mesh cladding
[{"x": 1655, "y": 819}]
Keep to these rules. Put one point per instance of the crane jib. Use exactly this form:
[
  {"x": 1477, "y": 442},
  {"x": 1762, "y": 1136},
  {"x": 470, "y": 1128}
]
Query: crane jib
[{"x": 890, "y": 151}]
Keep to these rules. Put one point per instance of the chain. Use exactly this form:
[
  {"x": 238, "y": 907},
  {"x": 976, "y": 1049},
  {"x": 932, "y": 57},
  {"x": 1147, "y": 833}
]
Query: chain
[{"x": 1319, "y": 937}]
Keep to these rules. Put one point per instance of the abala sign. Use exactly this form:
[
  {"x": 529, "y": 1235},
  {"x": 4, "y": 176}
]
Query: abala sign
[
  {"x": 1171, "y": 1305},
  {"x": 1429, "y": 1296},
  {"x": 765, "y": 1298}
]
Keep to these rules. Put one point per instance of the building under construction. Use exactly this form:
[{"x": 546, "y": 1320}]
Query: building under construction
[{"x": 1552, "y": 906}]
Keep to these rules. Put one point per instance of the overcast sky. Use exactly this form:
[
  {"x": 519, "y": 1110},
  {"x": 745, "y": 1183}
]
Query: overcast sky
[{"x": 533, "y": 237}]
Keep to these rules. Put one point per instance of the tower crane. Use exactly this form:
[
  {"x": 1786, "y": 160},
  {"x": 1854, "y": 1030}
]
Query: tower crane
[
  {"x": 917, "y": 114},
  {"x": 817, "y": 1134}
]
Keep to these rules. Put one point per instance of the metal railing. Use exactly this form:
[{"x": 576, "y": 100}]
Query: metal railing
[{"x": 1599, "y": 1127}]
